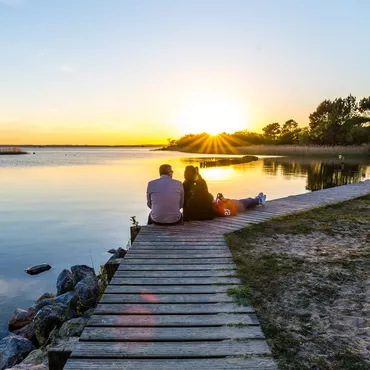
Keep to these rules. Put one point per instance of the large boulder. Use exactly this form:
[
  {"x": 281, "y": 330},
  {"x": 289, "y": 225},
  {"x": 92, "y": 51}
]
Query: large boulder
[
  {"x": 87, "y": 291},
  {"x": 20, "y": 319},
  {"x": 28, "y": 332},
  {"x": 72, "y": 328},
  {"x": 13, "y": 350},
  {"x": 36, "y": 357},
  {"x": 80, "y": 272},
  {"x": 48, "y": 318},
  {"x": 64, "y": 282}
]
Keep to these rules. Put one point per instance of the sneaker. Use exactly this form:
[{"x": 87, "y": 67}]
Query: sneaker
[
  {"x": 261, "y": 199},
  {"x": 220, "y": 196}
]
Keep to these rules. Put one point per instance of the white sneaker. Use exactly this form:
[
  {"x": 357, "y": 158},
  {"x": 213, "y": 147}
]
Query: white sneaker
[{"x": 261, "y": 198}]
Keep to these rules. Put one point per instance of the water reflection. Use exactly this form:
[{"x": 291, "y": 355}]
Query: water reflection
[{"x": 320, "y": 174}]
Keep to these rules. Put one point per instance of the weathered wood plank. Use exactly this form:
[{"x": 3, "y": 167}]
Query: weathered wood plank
[
  {"x": 230, "y": 363},
  {"x": 171, "y": 309},
  {"x": 179, "y": 254},
  {"x": 168, "y": 289},
  {"x": 170, "y": 350},
  {"x": 192, "y": 320},
  {"x": 157, "y": 274},
  {"x": 177, "y": 248},
  {"x": 177, "y": 261},
  {"x": 180, "y": 243},
  {"x": 174, "y": 281},
  {"x": 183, "y": 267},
  {"x": 165, "y": 298},
  {"x": 171, "y": 334}
]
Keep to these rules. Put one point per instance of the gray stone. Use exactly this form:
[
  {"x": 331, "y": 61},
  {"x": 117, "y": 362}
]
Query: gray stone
[
  {"x": 64, "y": 282},
  {"x": 36, "y": 357},
  {"x": 44, "y": 296},
  {"x": 28, "y": 332},
  {"x": 68, "y": 299},
  {"x": 80, "y": 272},
  {"x": 72, "y": 328},
  {"x": 35, "y": 270},
  {"x": 30, "y": 367},
  {"x": 20, "y": 319},
  {"x": 87, "y": 314},
  {"x": 87, "y": 291},
  {"x": 120, "y": 253},
  {"x": 48, "y": 318},
  {"x": 14, "y": 349}
]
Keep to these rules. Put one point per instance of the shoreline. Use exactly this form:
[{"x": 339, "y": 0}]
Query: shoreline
[{"x": 360, "y": 151}]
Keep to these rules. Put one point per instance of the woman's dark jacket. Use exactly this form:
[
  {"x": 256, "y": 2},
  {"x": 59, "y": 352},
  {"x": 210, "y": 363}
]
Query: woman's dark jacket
[{"x": 197, "y": 200}]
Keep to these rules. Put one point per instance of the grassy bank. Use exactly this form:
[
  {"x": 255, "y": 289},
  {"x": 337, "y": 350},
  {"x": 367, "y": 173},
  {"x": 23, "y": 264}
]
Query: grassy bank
[
  {"x": 308, "y": 277},
  {"x": 285, "y": 150}
]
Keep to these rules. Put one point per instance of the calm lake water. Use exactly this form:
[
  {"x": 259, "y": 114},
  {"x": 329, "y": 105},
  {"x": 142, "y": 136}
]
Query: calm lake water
[{"x": 69, "y": 206}]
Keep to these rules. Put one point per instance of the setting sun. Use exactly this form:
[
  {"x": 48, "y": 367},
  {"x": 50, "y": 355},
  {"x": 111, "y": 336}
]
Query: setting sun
[{"x": 211, "y": 115}]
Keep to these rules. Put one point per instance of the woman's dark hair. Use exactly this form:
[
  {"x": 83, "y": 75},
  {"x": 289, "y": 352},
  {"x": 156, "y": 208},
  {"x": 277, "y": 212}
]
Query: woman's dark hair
[{"x": 189, "y": 173}]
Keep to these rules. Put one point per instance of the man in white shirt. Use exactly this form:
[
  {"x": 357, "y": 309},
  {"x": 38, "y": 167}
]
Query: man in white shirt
[{"x": 165, "y": 197}]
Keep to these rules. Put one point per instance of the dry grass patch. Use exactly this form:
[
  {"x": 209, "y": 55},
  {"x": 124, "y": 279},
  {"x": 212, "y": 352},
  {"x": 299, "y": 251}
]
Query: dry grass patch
[{"x": 308, "y": 277}]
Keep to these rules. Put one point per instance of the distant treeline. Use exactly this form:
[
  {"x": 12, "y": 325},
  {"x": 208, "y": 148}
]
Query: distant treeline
[{"x": 343, "y": 121}]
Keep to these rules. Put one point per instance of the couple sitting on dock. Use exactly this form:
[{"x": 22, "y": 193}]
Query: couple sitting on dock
[{"x": 166, "y": 197}]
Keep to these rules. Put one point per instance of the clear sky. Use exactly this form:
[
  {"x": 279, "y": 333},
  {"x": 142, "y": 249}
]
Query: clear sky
[{"x": 142, "y": 71}]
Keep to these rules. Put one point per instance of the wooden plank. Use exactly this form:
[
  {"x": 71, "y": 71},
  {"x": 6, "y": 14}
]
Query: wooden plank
[
  {"x": 175, "y": 248},
  {"x": 171, "y": 309},
  {"x": 179, "y": 243},
  {"x": 179, "y": 254},
  {"x": 170, "y": 350},
  {"x": 157, "y": 274},
  {"x": 230, "y": 363},
  {"x": 170, "y": 334},
  {"x": 165, "y": 298},
  {"x": 220, "y": 319},
  {"x": 169, "y": 289},
  {"x": 183, "y": 267},
  {"x": 174, "y": 281},
  {"x": 174, "y": 261}
]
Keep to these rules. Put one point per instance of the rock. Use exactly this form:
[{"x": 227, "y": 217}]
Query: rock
[
  {"x": 48, "y": 318},
  {"x": 29, "y": 367},
  {"x": 87, "y": 291},
  {"x": 34, "y": 270},
  {"x": 14, "y": 349},
  {"x": 112, "y": 251},
  {"x": 88, "y": 313},
  {"x": 120, "y": 253},
  {"x": 64, "y": 282},
  {"x": 68, "y": 299},
  {"x": 28, "y": 332},
  {"x": 45, "y": 296},
  {"x": 72, "y": 328},
  {"x": 80, "y": 272},
  {"x": 36, "y": 357},
  {"x": 20, "y": 319}
]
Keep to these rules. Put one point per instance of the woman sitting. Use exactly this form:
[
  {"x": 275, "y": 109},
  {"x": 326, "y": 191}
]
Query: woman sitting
[
  {"x": 199, "y": 203},
  {"x": 197, "y": 200}
]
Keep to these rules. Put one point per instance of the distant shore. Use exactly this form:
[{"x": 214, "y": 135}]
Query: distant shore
[{"x": 281, "y": 150}]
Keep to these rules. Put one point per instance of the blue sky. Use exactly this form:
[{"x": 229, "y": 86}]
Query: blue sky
[{"x": 113, "y": 71}]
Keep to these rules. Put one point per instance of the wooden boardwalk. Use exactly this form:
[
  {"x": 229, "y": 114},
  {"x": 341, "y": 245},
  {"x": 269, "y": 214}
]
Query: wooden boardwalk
[{"x": 168, "y": 307}]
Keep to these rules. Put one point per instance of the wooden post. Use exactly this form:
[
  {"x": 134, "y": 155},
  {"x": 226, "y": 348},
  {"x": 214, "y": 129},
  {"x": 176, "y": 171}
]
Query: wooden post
[{"x": 134, "y": 231}]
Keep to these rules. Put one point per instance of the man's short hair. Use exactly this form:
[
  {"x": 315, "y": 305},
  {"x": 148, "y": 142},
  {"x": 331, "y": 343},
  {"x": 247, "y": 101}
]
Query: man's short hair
[{"x": 164, "y": 169}]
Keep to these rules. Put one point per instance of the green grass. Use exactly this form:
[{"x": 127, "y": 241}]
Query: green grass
[{"x": 296, "y": 287}]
